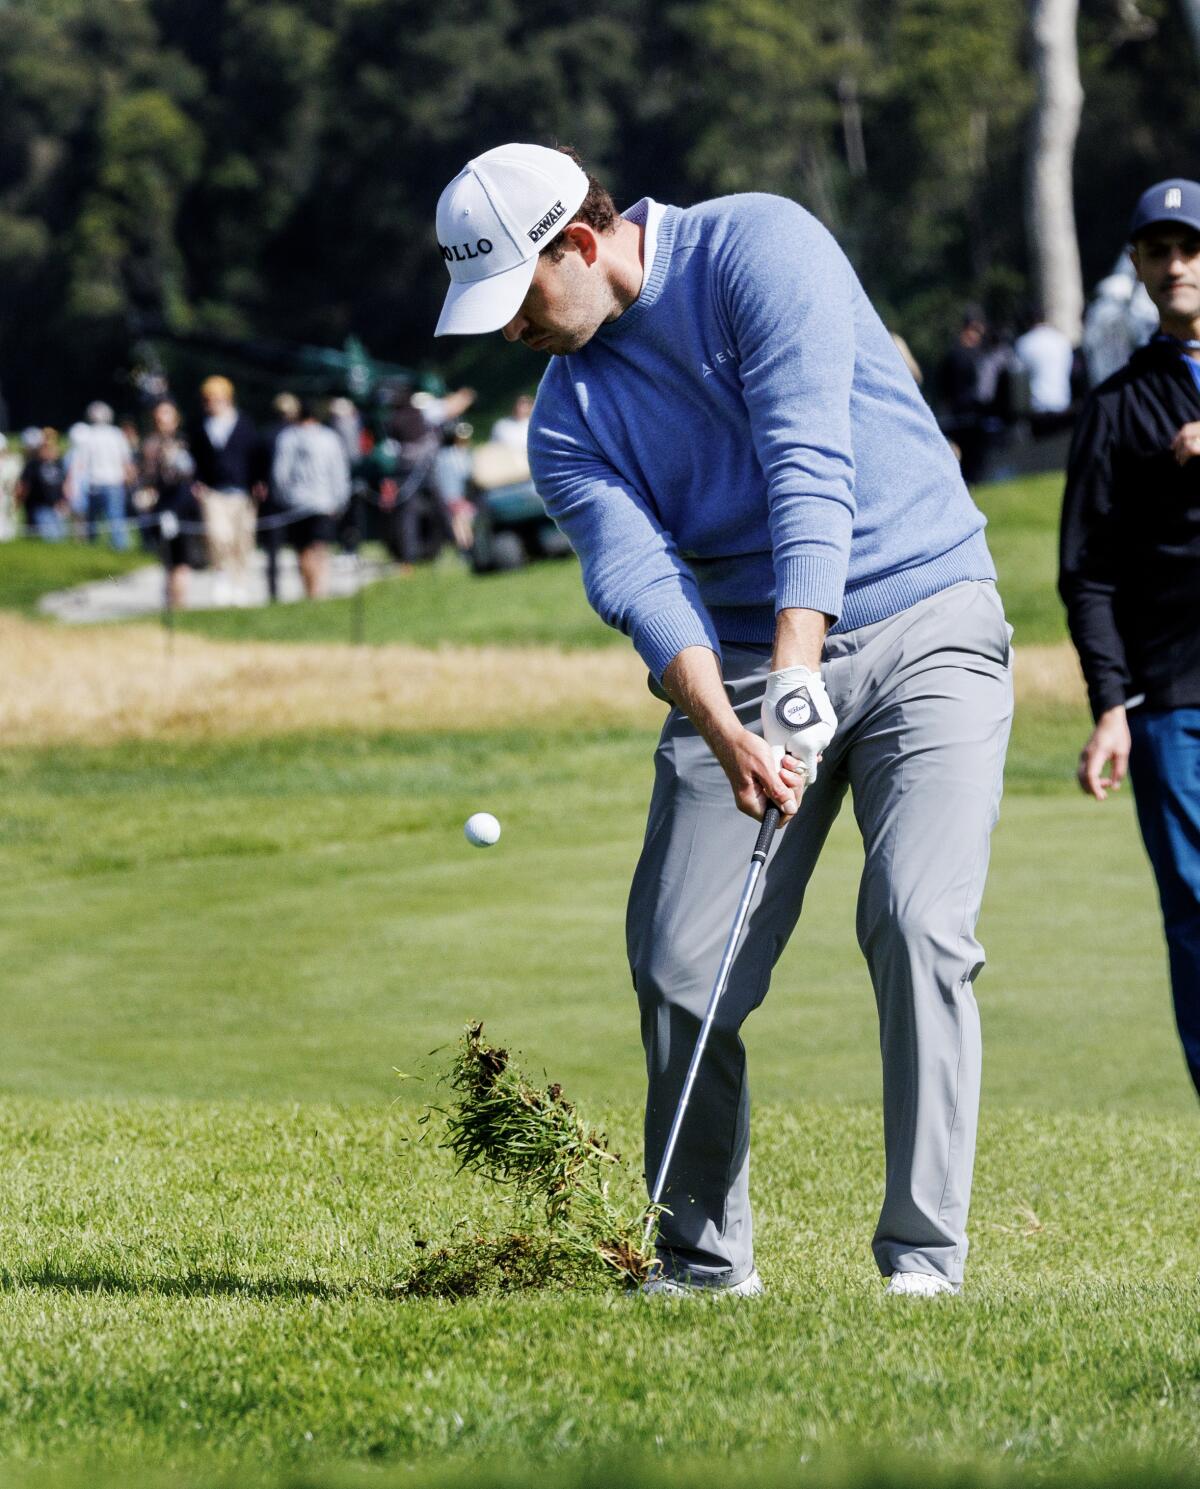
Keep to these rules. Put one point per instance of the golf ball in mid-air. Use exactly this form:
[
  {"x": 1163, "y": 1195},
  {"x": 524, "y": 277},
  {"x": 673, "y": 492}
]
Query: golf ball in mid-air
[{"x": 482, "y": 829}]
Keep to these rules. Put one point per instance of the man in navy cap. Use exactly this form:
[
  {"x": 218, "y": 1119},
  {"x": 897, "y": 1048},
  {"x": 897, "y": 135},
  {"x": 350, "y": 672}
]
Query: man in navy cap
[{"x": 1130, "y": 577}]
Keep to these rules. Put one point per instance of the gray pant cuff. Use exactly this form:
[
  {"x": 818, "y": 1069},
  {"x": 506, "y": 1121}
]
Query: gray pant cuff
[
  {"x": 691, "y": 1276},
  {"x": 946, "y": 1265}
]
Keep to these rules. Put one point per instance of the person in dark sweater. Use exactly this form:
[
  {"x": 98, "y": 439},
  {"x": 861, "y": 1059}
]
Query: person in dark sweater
[
  {"x": 167, "y": 468},
  {"x": 227, "y": 454},
  {"x": 959, "y": 389},
  {"x": 1130, "y": 577}
]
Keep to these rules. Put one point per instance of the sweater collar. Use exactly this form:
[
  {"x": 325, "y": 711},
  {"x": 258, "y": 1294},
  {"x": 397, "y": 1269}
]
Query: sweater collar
[{"x": 659, "y": 269}]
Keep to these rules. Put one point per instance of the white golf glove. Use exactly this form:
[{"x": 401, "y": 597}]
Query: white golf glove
[{"x": 797, "y": 716}]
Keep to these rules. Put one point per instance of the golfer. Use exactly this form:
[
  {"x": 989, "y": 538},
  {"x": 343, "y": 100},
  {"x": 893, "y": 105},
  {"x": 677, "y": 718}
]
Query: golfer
[
  {"x": 1130, "y": 577},
  {"x": 762, "y": 502}
]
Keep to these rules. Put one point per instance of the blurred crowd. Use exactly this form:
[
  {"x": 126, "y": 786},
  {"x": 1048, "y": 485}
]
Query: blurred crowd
[
  {"x": 408, "y": 470},
  {"x": 1000, "y": 390},
  {"x": 316, "y": 478}
]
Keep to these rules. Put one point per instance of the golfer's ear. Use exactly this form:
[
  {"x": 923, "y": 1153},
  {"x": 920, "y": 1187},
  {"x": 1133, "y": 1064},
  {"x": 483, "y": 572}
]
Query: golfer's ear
[{"x": 583, "y": 239}]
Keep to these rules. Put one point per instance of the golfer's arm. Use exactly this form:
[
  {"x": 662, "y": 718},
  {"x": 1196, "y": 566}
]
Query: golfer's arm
[
  {"x": 693, "y": 678},
  {"x": 799, "y": 639},
  {"x": 693, "y": 682}
]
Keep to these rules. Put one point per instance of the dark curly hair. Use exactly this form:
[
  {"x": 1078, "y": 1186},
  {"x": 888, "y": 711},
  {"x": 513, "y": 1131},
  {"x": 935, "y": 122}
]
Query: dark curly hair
[{"x": 597, "y": 209}]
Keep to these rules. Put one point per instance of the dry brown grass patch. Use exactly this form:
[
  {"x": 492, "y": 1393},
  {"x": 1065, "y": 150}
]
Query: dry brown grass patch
[
  {"x": 103, "y": 684},
  {"x": 1048, "y": 674}
]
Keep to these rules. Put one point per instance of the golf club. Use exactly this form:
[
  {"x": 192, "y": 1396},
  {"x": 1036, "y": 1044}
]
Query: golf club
[{"x": 770, "y": 821}]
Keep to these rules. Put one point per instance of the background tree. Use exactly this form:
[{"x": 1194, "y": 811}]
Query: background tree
[
  {"x": 270, "y": 167},
  {"x": 1050, "y": 196}
]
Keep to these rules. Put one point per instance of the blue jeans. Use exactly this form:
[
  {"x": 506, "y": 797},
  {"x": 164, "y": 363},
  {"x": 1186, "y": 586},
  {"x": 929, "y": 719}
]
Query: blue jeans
[
  {"x": 48, "y": 524},
  {"x": 107, "y": 504},
  {"x": 1165, "y": 767}
]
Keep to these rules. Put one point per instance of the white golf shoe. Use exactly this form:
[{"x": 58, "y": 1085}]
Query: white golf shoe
[
  {"x": 919, "y": 1285},
  {"x": 670, "y": 1287}
]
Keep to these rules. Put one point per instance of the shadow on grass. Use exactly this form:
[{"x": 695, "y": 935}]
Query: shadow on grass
[
  {"x": 190, "y": 1285},
  {"x": 836, "y": 1469}
]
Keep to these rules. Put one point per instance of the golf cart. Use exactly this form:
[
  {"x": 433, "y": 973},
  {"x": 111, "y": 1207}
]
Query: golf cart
[{"x": 511, "y": 525}]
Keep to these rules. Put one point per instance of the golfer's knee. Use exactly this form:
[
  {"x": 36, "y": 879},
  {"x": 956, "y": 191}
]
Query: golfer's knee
[
  {"x": 671, "y": 991},
  {"x": 918, "y": 946}
]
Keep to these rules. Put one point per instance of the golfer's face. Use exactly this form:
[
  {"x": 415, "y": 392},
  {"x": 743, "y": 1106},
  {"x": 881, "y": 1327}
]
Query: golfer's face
[
  {"x": 1167, "y": 260},
  {"x": 556, "y": 316}
]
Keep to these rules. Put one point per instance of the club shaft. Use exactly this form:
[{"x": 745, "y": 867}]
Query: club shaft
[{"x": 758, "y": 858}]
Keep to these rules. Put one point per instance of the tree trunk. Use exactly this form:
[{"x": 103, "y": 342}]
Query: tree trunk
[
  {"x": 852, "y": 125},
  {"x": 1050, "y": 211},
  {"x": 1191, "y": 14}
]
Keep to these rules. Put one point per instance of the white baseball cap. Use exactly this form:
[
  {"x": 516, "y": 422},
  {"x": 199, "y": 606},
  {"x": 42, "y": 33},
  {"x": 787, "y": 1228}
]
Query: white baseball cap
[{"x": 493, "y": 220}]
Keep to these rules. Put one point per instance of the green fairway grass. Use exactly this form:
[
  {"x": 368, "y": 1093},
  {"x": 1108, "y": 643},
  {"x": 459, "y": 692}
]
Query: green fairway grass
[
  {"x": 212, "y": 1284},
  {"x": 294, "y": 918},
  {"x": 218, "y": 956},
  {"x": 545, "y": 603},
  {"x": 435, "y": 604},
  {"x": 1022, "y": 533},
  {"x": 30, "y": 568}
]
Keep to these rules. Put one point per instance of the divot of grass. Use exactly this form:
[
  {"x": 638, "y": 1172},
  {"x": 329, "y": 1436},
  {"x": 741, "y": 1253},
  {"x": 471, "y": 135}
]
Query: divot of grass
[
  {"x": 494, "y": 1264},
  {"x": 572, "y": 1233}
]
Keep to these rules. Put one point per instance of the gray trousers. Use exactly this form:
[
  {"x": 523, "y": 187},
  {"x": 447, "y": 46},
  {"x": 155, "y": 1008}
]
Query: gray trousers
[{"x": 924, "y": 703}]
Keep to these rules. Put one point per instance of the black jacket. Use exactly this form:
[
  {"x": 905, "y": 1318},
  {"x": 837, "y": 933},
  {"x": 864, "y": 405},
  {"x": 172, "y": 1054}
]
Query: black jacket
[
  {"x": 237, "y": 464},
  {"x": 1129, "y": 555}
]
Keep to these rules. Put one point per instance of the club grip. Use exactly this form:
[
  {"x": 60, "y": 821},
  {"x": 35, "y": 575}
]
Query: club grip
[{"x": 770, "y": 822}]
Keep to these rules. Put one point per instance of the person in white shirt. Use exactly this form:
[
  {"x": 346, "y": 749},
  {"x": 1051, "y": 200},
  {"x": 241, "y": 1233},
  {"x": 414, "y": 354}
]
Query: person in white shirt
[
  {"x": 514, "y": 430},
  {"x": 100, "y": 471},
  {"x": 310, "y": 477},
  {"x": 1046, "y": 355}
]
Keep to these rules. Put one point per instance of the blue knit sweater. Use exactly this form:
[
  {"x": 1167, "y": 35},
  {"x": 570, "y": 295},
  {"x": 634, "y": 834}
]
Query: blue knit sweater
[{"x": 745, "y": 438}]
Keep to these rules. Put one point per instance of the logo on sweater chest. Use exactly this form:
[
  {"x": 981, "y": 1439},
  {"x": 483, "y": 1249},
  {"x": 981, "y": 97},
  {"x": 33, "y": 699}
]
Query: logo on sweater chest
[{"x": 722, "y": 358}]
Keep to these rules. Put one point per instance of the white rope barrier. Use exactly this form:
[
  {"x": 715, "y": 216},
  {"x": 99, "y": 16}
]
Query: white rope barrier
[{"x": 171, "y": 525}]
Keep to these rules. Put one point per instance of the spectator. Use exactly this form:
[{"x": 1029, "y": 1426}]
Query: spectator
[
  {"x": 514, "y": 430},
  {"x": 310, "y": 474},
  {"x": 40, "y": 490},
  {"x": 1120, "y": 318},
  {"x": 1047, "y": 357},
  {"x": 11, "y": 466},
  {"x": 451, "y": 479},
  {"x": 410, "y": 425},
  {"x": 167, "y": 469},
  {"x": 272, "y": 513},
  {"x": 438, "y": 412},
  {"x": 964, "y": 409},
  {"x": 346, "y": 423},
  {"x": 226, "y": 450},
  {"x": 132, "y": 437},
  {"x": 75, "y": 464},
  {"x": 1130, "y": 577},
  {"x": 418, "y": 522},
  {"x": 100, "y": 474}
]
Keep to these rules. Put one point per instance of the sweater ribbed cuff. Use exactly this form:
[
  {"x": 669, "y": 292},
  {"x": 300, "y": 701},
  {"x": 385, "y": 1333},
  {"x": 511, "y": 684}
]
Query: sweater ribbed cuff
[
  {"x": 662, "y": 636},
  {"x": 810, "y": 582},
  {"x": 1112, "y": 693}
]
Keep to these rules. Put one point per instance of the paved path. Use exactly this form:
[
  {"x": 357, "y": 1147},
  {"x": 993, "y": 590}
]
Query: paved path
[{"x": 140, "y": 592}]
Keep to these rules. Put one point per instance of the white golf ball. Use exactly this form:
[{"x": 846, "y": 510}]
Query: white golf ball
[{"x": 482, "y": 829}]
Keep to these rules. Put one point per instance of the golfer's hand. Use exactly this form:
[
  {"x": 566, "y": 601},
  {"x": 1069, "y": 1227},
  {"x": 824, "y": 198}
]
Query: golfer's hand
[
  {"x": 756, "y": 778},
  {"x": 1105, "y": 757},
  {"x": 1186, "y": 443},
  {"x": 797, "y": 717}
]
